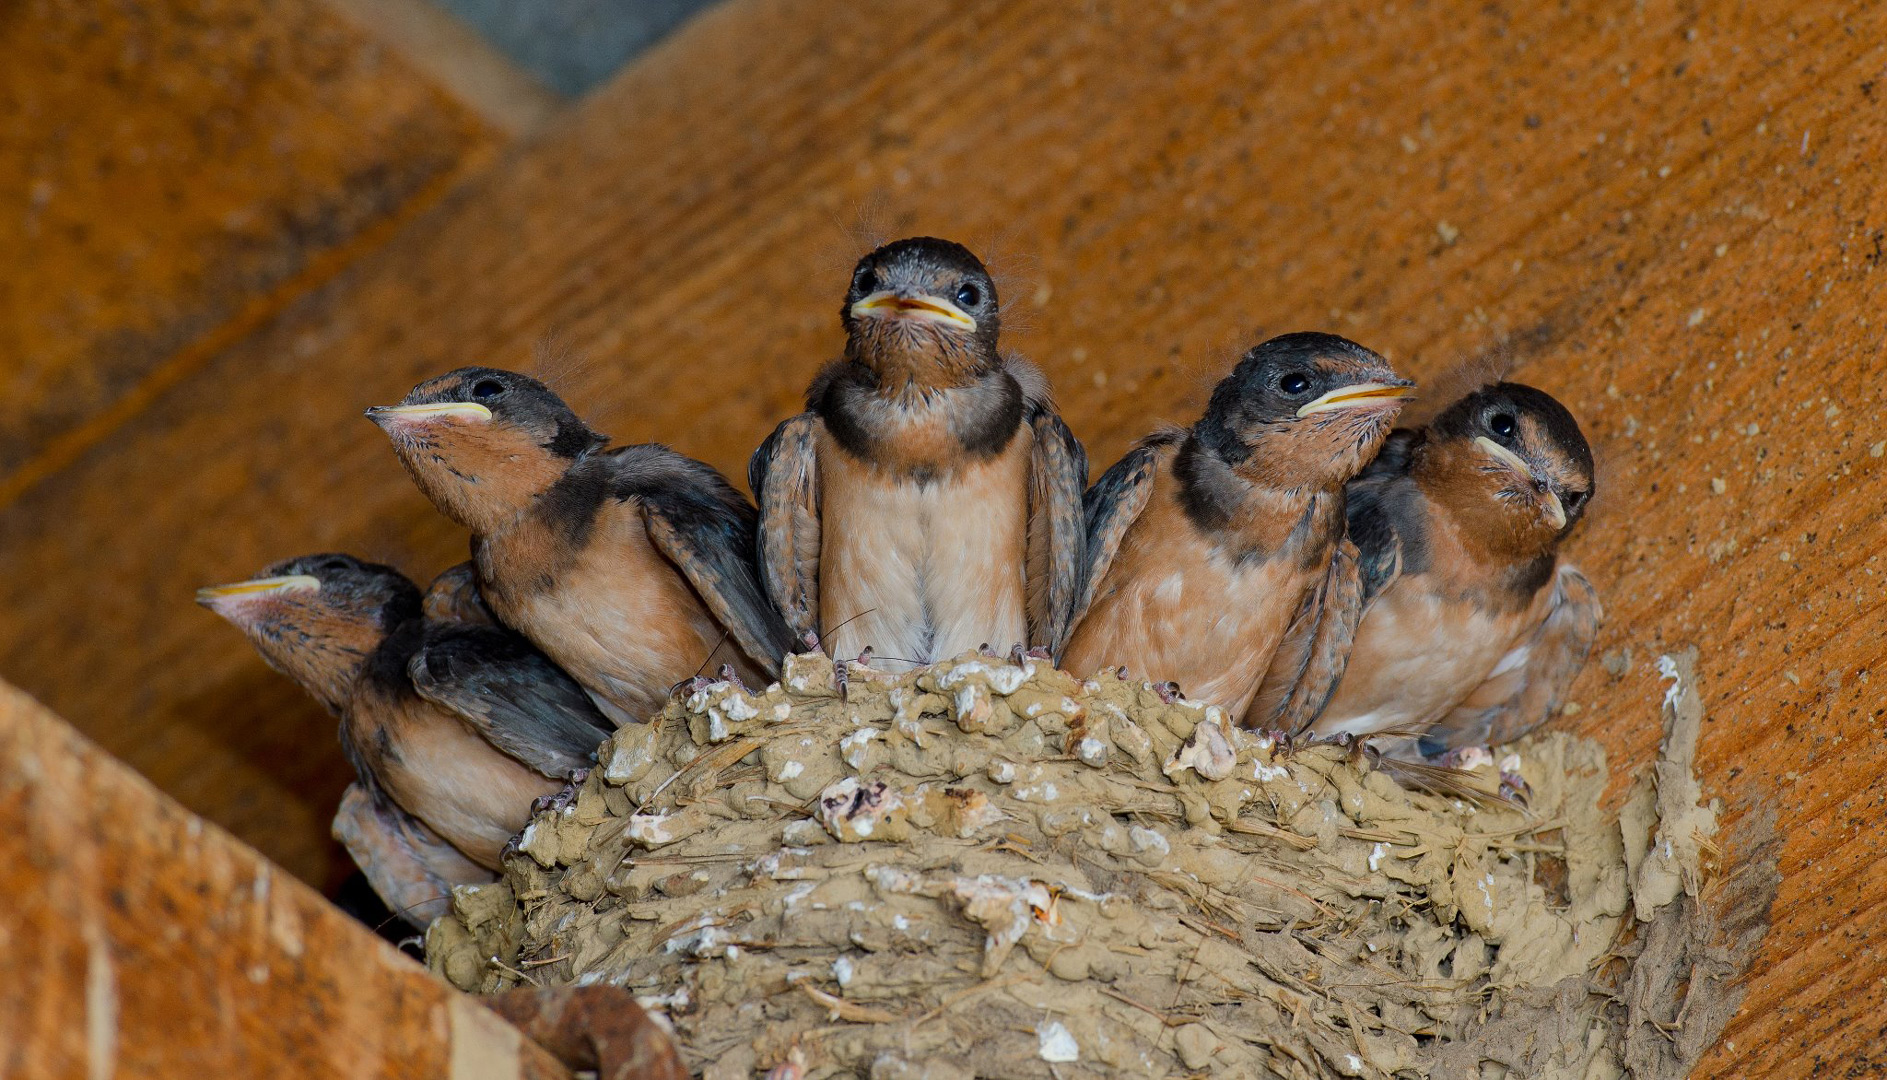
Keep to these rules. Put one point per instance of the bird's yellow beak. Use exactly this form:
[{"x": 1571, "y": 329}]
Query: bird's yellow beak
[
  {"x": 1359, "y": 395},
  {"x": 268, "y": 586},
  {"x": 886, "y": 304},
  {"x": 431, "y": 412},
  {"x": 1550, "y": 506}
]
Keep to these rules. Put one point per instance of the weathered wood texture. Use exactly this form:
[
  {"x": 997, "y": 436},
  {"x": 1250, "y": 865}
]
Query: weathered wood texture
[
  {"x": 1670, "y": 217},
  {"x": 143, "y": 942},
  {"x": 171, "y": 173}
]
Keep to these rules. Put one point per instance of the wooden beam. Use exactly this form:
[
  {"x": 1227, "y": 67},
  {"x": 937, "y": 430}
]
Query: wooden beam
[
  {"x": 144, "y": 942},
  {"x": 175, "y": 172},
  {"x": 1668, "y": 215}
]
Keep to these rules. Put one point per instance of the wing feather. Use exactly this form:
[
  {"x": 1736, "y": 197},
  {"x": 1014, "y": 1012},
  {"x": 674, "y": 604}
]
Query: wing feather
[
  {"x": 784, "y": 476},
  {"x": 708, "y": 530},
  {"x": 1532, "y": 682},
  {"x": 501, "y": 686},
  {"x": 1311, "y": 659},
  {"x": 1058, "y": 470},
  {"x": 407, "y": 863},
  {"x": 1110, "y": 508}
]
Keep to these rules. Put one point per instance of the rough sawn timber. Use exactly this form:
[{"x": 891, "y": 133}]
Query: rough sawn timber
[{"x": 1670, "y": 215}]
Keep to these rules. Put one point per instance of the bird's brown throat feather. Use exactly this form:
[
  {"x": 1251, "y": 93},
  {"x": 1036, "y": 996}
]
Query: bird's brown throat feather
[
  {"x": 1496, "y": 522},
  {"x": 480, "y": 475}
]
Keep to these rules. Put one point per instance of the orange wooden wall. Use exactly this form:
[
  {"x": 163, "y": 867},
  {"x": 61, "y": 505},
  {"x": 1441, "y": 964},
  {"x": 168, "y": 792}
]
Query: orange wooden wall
[{"x": 1671, "y": 216}]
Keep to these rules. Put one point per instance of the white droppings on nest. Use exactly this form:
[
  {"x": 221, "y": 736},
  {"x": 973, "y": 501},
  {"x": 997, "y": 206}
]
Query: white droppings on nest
[
  {"x": 1667, "y": 670},
  {"x": 1148, "y": 840},
  {"x": 1036, "y": 793},
  {"x": 1056, "y": 1044},
  {"x": 853, "y": 811},
  {"x": 852, "y": 748},
  {"x": 650, "y": 830},
  {"x": 1207, "y": 751},
  {"x": 1005, "y": 679}
]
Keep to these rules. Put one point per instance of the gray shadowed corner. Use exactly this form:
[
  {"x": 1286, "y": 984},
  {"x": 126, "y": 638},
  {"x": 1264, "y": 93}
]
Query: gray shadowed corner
[{"x": 573, "y": 45}]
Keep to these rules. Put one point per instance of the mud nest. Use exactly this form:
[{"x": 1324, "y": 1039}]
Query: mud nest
[{"x": 991, "y": 868}]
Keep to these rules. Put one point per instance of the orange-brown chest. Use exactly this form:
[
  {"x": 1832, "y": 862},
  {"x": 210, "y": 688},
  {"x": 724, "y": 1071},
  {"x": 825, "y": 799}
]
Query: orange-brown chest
[
  {"x": 1197, "y": 608},
  {"x": 610, "y": 609},
  {"x": 442, "y": 772}
]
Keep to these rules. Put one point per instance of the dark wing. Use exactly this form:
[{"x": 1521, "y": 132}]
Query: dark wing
[
  {"x": 411, "y": 868},
  {"x": 1393, "y": 458},
  {"x": 1374, "y": 504},
  {"x": 1311, "y": 659},
  {"x": 1530, "y": 682},
  {"x": 707, "y": 529},
  {"x": 784, "y": 475},
  {"x": 453, "y": 597},
  {"x": 1110, "y": 508},
  {"x": 1058, "y": 471},
  {"x": 510, "y": 693}
]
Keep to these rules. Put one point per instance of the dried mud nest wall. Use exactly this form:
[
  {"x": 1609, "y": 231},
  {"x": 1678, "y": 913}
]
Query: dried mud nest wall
[{"x": 991, "y": 868}]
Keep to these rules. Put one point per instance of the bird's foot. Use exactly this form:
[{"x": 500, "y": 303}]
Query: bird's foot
[
  {"x": 1022, "y": 655},
  {"x": 560, "y": 800},
  {"x": 1514, "y": 786},
  {"x": 841, "y": 679},
  {"x": 690, "y": 685},
  {"x": 1169, "y": 692},
  {"x": 1466, "y": 758},
  {"x": 728, "y": 674}
]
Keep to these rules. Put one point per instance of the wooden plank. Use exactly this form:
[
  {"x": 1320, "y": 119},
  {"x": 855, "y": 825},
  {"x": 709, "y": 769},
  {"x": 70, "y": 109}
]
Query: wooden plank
[
  {"x": 173, "y": 172},
  {"x": 1669, "y": 216},
  {"x": 147, "y": 943},
  {"x": 453, "y": 54}
]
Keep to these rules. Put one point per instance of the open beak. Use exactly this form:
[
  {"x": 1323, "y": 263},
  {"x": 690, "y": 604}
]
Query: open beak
[
  {"x": 887, "y": 304},
  {"x": 216, "y": 596},
  {"x": 1360, "y": 396},
  {"x": 1554, "y": 510},
  {"x": 434, "y": 412}
]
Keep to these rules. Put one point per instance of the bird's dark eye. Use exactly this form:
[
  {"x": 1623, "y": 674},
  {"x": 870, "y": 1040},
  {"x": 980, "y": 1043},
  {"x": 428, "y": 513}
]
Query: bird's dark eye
[
  {"x": 863, "y": 279},
  {"x": 1501, "y": 423},
  {"x": 968, "y": 295},
  {"x": 1294, "y": 383},
  {"x": 1574, "y": 500},
  {"x": 486, "y": 389},
  {"x": 333, "y": 564}
]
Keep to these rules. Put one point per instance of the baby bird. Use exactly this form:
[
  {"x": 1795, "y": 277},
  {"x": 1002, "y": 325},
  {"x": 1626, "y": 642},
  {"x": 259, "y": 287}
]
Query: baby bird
[
  {"x": 409, "y": 866},
  {"x": 1216, "y": 553},
  {"x": 1473, "y": 628},
  {"x": 630, "y": 568},
  {"x": 460, "y": 727},
  {"x": 928, "y": 500}
]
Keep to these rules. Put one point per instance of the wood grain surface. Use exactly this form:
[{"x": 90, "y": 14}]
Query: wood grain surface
[
  {"x": 171, "y": 173},
  {"x": 146, "y": 943},
  {"x": 1671, "y": 216}
]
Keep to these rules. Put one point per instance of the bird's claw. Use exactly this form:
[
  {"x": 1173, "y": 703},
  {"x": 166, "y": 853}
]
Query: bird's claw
[
  {"x": 1169, "y": 692},
  {"x": 560, "y": 800},
  {"x": 841, "y": 679}
]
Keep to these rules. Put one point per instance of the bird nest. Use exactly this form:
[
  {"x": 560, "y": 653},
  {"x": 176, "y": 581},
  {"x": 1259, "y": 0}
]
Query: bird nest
[{"x": 992, "y": 868}]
